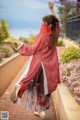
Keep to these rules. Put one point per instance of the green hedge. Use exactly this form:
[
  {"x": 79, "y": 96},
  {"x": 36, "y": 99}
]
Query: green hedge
[
  {"x": 69, "y": 54},
  {"x": 60, "y": 43},
  {"x": 6, "y": 51}
]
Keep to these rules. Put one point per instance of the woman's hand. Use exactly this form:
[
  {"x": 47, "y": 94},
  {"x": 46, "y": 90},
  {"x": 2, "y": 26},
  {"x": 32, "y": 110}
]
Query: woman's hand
[{"x": 51, "y": 5}]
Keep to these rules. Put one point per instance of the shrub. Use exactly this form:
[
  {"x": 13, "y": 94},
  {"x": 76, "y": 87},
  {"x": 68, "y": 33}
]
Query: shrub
[
  {"x": 23, "y": 39},
  {"x": 15, "y": 46},
  {"x": 11, "y": 43},
  {"x": 69, "y": 54},
  {"x": 3, "y": 30},
  {"x": 60, "y": 43},
  {"x": 32, "y": 39},
  {"x": 6, "y": 51},
  {"x": 70, "y": 75}
]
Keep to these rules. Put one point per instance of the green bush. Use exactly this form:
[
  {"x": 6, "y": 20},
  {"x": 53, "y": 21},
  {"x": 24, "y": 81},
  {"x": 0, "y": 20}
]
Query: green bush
[
  {"x": 60, "y": 43},
  {"x": 32, "y": 39},
  {"x": 23, "y": 39},
  {"x": 69, "y": 54},
  {"x": 6, "y": 51},
  {"x": 15, "y": 46},
  {"x": 3, "y": 30},
  {"x": 12, "y": 42}
]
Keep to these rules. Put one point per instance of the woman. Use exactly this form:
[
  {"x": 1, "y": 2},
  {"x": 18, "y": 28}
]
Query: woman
[{"x": 33, "y": 90}]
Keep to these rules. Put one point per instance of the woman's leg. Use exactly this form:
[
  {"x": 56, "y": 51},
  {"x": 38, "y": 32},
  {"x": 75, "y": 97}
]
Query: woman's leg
[{"x": 14, "y": 93}]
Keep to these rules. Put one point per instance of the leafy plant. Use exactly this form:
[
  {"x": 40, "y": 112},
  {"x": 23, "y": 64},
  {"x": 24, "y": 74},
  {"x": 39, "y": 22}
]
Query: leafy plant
[
  {"x": 60, "y": 43},
  {"x": 69, "y": 70},
  {"x": 69, "y": 54},
  {"x": 23, "y": 39},
  {"x": 6, "y": 51},
  {"x": 64, "y": 10},
  {"x": 3, "y": 30},
  {"x": 32, "y": 38},
  {"x": 13, "y": 43}
]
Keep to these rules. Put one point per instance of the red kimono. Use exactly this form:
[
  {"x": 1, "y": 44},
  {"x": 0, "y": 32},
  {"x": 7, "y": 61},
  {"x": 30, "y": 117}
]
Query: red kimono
[{"x": 43, "y": 70}]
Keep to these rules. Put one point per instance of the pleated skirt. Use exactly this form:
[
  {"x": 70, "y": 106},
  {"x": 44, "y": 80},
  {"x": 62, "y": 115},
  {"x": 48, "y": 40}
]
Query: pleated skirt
[{"x": 33, "y": 98}]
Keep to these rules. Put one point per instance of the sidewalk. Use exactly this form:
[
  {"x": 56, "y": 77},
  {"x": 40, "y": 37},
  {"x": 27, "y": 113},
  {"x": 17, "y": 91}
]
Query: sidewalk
[{"x": 17, "y": 113}]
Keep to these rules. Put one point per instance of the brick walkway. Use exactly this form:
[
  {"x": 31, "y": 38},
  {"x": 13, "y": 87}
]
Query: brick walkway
[{"x": 17, "y": 113}]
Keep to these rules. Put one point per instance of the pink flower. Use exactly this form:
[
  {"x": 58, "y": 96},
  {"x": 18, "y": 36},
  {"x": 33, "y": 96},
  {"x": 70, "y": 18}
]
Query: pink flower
[
  {"x": 77, "y": 89},
  {"x": 69, "y": 81},
  {"x": 77, "y": 98}
]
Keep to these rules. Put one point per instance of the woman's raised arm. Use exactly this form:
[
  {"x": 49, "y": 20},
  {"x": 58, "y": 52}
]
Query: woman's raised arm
[{"x": 51, "y": 7}]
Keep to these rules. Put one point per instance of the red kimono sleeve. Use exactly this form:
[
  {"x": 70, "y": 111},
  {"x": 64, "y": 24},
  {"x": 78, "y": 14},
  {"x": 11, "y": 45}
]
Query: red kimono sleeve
[{"x": 27, "y": 50}]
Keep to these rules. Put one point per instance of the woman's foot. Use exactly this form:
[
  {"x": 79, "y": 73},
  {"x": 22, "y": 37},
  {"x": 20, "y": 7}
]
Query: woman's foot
[
  {"x": 14, "y": 93},
  {"x": 40, "y": 114},
  {"x": 36, "y": 113}
]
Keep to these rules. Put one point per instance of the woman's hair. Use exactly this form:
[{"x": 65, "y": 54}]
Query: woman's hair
[{"x": 51, "y": 20}]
